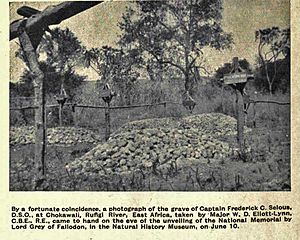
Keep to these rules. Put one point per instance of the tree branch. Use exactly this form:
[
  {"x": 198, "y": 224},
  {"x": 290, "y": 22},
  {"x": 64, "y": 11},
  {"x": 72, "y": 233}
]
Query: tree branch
[
  {"x": 50, "y": 16},
  {"x": 203, "y": 68},
  {"x": 171, "y": 30},
  {"x": 167, "y": 62},
  {"x": 179, "y": 18},
  {"x": 192, "y": 62}
]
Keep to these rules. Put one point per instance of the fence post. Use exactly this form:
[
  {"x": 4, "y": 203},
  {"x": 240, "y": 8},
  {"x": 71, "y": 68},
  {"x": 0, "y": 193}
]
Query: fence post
[
  {"x": 46, "y": 127},
  {"x": 222, "y": 99},
  {"x": 45, "y": 116},
  {"x": 254, "y": 115},
  {"x": 254, "y": 111},
  {"x": 240, "y": 120},
  {"x": 23, "y": 115},
  {"x": 60, "y": 114},
  {"x": 74, "y": 114},
  {"x": 107, "y": 121}
]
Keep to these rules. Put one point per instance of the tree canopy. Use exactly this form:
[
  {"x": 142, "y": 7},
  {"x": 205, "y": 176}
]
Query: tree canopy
[
  {"x": 174, "y": 33},
  {"x": 61, "y": 52},
  {"x": 273, "y": 44},
  {"x": 114, "y": 66},
  {"x": 62, "y": 49}
]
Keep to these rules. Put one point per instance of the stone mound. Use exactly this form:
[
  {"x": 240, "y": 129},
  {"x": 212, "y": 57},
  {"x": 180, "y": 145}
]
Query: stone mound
[
  {"x": 216, "y": 124},
  {"x": 158, "y": 145},
  {"x": 61, "y": 135}
]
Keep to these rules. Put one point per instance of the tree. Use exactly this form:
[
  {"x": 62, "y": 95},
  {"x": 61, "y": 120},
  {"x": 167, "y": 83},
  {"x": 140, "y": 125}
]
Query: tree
[
  {"x": 281, "y": 81},
  {"x": 116, "y": 67},
  {"x": 52, "y": 80},
  {"x": 62, "y": 51},
  {"x": 273, "y": 44},
  {"x": 174, "y": 33}
]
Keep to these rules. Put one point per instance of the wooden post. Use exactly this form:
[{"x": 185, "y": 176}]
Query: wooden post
[
  {"x": 74, "y": 115},
  {"x": 39, "y": 101},
  {"x": 46, "y": 127},
  {"x": 254, "y": 110},
  {"x": 45, "y": 116},
  {"x": 254, "y": 114},
  {"x": 24, "y": 116},
  {"x": 222, "y": 99},
  {"x": 107, "y": 121},
  {"x": 106, "y": 127},
  {"x": 240, "y": 120},
  {"x": 29, "y": 41},
  {"x": 238, "y": 80},
  {"x": 60, "y": 114}
]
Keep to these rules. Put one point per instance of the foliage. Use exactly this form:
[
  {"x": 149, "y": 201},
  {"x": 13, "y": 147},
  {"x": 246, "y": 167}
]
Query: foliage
[
  {"x": 174, "y": 34},
  {"x": 281, "y": 80},
  {"x": 52, "y": 81},
  {"x": 116, "y": 67},
  {"x": 23, "y": 88},
  {"x": 274, "y": 43},
  {"x": 61, "y": 50}
]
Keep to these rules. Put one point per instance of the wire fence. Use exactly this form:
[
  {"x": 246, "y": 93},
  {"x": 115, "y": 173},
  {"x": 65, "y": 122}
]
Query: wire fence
[{"x": 74, "y": 106}]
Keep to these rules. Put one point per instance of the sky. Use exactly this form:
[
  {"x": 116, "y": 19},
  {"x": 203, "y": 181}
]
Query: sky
[{"x": 98, "y": 26}]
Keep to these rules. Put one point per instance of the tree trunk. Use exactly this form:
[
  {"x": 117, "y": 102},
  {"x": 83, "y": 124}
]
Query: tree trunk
[
  {"x": 188, "y": 83},
  {"x": 39, "y": 102},
  {"x": 270, "y": 88}
]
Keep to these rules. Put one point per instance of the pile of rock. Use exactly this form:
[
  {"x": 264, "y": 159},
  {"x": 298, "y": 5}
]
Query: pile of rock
[
  {"x": 216, "y": 124},
  {"x": 159, "y": 145},
  {"x": 61, "y": 135}
]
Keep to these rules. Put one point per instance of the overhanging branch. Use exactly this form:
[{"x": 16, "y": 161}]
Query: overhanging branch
[{"x": 52, "y": 15}]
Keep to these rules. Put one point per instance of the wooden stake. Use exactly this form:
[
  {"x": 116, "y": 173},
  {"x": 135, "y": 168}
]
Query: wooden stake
[
  {"x": 60, "y": 114},
  {"x": 254, "y": 110},
  {"x": 240, "y": 120},
  {"x": 107, "y": 121},
  {"x": 74, "y": 115},
  {"x": 254, "y": 115},
  {"x": 39, "y": 101},
  {"x": 222, "y": 99}
]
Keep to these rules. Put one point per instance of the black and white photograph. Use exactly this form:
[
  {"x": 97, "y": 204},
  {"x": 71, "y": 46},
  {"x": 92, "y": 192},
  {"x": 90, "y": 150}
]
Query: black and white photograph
[{"x": 150, "y": 96}]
